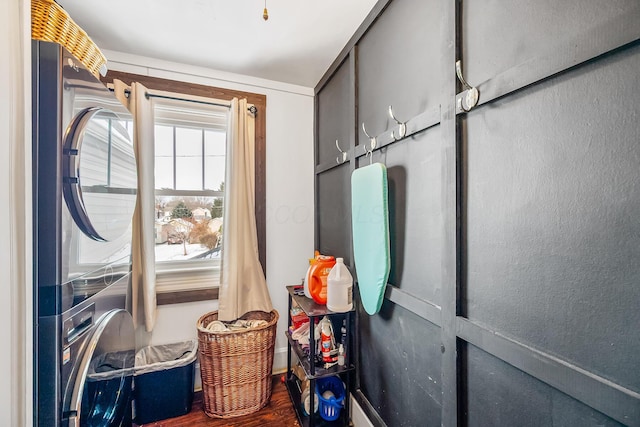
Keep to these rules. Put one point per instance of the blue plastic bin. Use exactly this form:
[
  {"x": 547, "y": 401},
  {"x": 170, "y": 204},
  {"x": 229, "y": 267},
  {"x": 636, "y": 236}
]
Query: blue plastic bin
[
  {"x": 330, "y": 408},
  {"x": 163, "y": 382}
]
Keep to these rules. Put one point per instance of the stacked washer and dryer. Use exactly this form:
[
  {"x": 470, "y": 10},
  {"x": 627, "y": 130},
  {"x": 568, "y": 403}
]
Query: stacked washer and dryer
[{"x": 84, "y": 193}]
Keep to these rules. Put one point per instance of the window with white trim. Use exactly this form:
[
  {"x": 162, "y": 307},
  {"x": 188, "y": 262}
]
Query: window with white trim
[{"x": 190, "y": 149}]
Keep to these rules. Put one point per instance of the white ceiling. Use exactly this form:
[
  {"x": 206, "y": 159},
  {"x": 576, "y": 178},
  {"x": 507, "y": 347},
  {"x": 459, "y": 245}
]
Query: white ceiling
[{"x": 296, "y": 45}]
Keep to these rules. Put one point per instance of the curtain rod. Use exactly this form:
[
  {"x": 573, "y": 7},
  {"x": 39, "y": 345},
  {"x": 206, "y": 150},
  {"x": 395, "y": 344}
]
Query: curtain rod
[
  {"x": 176, "y": 98},
  {"x": 253, "y": 109}
]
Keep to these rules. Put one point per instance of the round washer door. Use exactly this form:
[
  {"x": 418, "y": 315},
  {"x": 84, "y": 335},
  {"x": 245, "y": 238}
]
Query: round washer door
[
  {"x": 101, "y": 394},
  {"x": 100, "y": 178}
]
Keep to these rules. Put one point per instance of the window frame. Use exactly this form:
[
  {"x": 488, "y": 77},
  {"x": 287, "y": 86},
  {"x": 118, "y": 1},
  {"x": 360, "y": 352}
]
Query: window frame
[
  {"x": 259, "y": 101},
  {"x": 170, "y": 275}
]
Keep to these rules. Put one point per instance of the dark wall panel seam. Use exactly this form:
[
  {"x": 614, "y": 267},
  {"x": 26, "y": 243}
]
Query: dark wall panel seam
[
  {"x": 613, "y": 400},
  {"x": 316, "y": 198},
  {"x": 353, "y": 117},
  {"x": 450, "y": 415},
  {"x": 425, "y": 309}
]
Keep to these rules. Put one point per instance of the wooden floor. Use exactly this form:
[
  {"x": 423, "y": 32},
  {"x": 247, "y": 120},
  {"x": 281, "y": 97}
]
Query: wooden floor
[{"x": 278, "y": 413}]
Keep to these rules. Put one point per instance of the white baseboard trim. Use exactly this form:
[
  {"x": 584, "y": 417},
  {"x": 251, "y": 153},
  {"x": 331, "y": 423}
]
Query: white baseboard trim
[
  {"x": 280, "y": 361},
  {"x": 358, "y": 417}
]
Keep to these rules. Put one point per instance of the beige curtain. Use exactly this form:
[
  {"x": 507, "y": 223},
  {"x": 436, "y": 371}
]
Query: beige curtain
[
  {"x": 143, "y": 277},
  {"x": 243, "y": 287}
]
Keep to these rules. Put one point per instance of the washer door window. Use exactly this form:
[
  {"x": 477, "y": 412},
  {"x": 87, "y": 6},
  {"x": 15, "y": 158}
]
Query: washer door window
[
  {"x": 100, "y": 180},
  {"x": 101, "y": 395}
]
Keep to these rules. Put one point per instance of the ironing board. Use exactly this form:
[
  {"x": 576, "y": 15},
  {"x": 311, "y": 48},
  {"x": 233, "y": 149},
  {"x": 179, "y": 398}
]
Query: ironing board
[{"x": 370, "y": 227}]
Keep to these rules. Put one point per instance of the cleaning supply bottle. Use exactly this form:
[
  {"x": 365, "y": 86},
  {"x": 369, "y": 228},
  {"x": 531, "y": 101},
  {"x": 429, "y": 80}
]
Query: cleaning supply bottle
[
  {"x": 327, "y": 342},
  {"x": 318, "y": 278},
  {"x": 341, "y": 360},
  {"x": 312, "y": 261},
  {"x": 339, "y": 288}
]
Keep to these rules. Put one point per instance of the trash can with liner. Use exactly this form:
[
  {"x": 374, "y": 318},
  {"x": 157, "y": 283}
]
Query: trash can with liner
[
  {"x": 106, "y": 398},
  {"x": 163, "y": 382}
]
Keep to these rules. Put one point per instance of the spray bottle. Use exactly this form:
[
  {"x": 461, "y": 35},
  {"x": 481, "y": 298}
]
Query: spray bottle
[{"x": 327, "y": 341}]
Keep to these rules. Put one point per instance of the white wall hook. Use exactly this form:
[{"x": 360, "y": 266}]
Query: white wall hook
[
  {"x": 343, "y": 154},
  {"x": 372, "y": 141},
  {"x": 402, "y": 127},
  {"x": 472, "y": 96}
]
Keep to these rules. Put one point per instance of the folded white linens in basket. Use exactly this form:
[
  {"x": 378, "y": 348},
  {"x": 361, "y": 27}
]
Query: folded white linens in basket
[{"x": 219, "y": 326}]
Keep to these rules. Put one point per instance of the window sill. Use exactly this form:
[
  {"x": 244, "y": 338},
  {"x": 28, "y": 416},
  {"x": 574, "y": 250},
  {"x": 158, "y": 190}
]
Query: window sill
[
  {"x": 190, "y": 283},
  {"x": 178, "y": 297}
]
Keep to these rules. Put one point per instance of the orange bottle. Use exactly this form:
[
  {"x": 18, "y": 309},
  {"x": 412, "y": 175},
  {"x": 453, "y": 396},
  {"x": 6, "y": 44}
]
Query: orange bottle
[
  {"x": 318, "y": 278},
  {"x": 312, "y": 261}
]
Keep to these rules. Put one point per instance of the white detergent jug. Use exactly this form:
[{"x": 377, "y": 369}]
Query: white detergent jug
[{"x": 339, "y": 288}]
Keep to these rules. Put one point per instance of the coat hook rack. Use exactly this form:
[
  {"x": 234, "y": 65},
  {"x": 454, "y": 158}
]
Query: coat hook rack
[
  {"x": 402, "y": 126},
  {"x": 472, "y": 96},
  {"x": 372, "y": 141},
  {"x": 343, "y": 154}
]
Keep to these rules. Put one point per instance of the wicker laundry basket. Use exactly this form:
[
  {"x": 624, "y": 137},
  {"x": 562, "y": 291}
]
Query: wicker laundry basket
[
  {"x": 51, "y": 23},
  {"x": 236, "y": 366}
]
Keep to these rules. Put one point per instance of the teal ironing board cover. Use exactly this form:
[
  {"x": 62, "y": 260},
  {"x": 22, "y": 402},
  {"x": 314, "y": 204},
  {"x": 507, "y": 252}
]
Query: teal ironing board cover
[{"x": 370, "y": 227}]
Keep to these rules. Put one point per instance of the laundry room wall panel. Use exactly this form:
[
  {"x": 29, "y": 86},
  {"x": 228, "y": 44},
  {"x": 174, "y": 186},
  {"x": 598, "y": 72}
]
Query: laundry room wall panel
[
  {"x": 499, "y": 35},
  {"x": 551, "y": 217},
  {"x": 396, "y": 65},
  {"x": 402, "y": 382},
  {"x": 504, "y": 49},
  {"x": 498, "y": 394},
  {"x": 415, "y": 213},
  {"x": 334, "y": 220},
  {"x": 335, "y": 116},
  {"x": 513, "y": 245}
]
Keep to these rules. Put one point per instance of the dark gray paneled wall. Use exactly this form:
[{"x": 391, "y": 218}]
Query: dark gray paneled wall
[
  {"x": 410, "y": 387},
  {"x": 332, "y": 122},
  {"x": 513, "y": 295},
  {"x": 415, "y": 213},
  {"x": 496, "y": 394},
  {"x": 552, "y": 217},
  {"x": 334, "y": 237},
  {"x": 398, "y": 65},
  {"x": 498, "y": 35}
]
